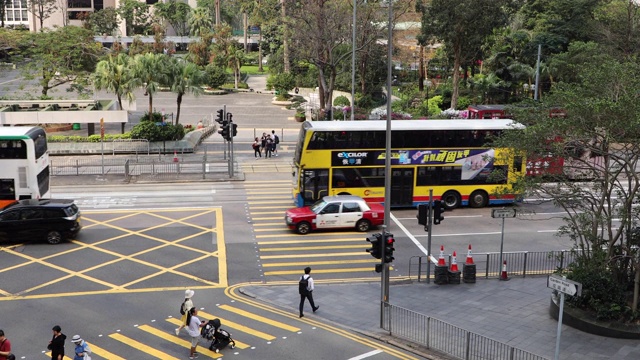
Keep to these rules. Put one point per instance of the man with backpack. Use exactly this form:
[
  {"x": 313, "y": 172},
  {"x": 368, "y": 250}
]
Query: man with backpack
[{"x": 305, "y": 289}]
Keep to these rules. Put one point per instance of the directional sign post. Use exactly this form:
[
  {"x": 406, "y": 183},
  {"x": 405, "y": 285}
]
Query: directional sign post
[
  {"x": 564, "y": 286},
  {"x": 502, "y": 214}
]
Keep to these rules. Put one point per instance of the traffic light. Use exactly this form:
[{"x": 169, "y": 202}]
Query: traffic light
[
  {"x": 230, "y": 116},
  {"x": 438, "y": 212},
  {"x": 376, "y": 245},
  {"x": 234, "y": 130},
  {"x": 423, "y": 213},
  {"x": 388, "y": 247},
  {"x": 220, "y": 116},
  {"x": 224, "y": 130}
]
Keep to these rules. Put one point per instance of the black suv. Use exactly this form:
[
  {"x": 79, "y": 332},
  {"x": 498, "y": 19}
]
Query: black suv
[{"x": 53, "y": 220}]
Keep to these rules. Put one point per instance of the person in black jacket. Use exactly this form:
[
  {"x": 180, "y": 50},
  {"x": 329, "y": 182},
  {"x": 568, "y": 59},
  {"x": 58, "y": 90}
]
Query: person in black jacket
[{"x": 56, "y": 345}]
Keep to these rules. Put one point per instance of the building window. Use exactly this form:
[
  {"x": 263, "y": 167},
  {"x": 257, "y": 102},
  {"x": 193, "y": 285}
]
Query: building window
[{"x": 74, "y": 4}]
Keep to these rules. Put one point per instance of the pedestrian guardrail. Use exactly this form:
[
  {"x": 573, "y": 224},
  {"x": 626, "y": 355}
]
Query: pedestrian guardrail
[
  {"x": 519, "y": 263},
  {"x": 446, "y": 338}
]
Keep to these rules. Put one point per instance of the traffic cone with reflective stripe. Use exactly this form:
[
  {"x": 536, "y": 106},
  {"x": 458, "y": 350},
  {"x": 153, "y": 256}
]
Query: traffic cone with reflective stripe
[
  {"x": 503, "y": 274},
  {"x": 441, "y": 261},
  {"x": 454, "y": 263},
  {"x": 175, "y": 156},
  {"x": 469, "y": 257}
]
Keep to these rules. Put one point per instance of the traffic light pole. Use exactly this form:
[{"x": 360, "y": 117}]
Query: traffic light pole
[{"x": 429, "y": 227}]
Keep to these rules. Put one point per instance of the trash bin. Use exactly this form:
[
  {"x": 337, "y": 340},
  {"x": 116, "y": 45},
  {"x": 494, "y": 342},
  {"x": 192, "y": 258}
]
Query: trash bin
[{"x": 76, "y": 126}]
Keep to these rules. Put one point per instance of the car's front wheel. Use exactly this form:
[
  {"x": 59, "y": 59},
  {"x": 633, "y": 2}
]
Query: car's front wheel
[
  {"x": 303, "y": 228},
  {"x": 363, "y": 225},
  {"x": 54, "y": 237}
]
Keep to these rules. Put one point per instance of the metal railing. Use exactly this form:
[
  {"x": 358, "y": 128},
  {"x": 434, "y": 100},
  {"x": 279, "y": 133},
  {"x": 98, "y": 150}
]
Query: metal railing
[
  {"x": 147, "y": 166},
  {"x": 446, "y": 338},
  {"x": 519, "y": 263}
]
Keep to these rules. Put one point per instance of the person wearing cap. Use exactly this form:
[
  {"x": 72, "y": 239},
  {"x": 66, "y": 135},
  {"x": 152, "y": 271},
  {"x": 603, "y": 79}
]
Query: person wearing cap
[
  {"x": 82, "y": 348},
  {"x": 5, "y": 346},
  {"x": 187, "y": 304},
  {"x": 56, "y": 345}
]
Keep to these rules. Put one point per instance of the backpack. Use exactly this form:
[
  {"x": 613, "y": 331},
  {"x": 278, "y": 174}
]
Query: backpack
[
  {"x": 302, "y": 285},
  {"x": 277, "y": 139},
  {"x": 182, "y": 312}
]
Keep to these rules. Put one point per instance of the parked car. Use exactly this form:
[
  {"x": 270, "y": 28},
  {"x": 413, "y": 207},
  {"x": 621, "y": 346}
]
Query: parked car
[
  {"x": 53, "y": 220},
  {"x": 331, "y": 212}
]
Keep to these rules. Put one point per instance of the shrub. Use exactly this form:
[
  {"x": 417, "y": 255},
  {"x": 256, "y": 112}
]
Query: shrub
[
  {"x": 216, "y": 75},
  {"x": 281, "y": 82},
  {"x": 341, "y": 101},
  {"x": 155, "y": 130}
]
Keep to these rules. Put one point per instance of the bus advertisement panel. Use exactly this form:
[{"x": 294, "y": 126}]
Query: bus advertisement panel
[
  {"x": 334, "y": 158},
  {"x": 24, "y": 160}
]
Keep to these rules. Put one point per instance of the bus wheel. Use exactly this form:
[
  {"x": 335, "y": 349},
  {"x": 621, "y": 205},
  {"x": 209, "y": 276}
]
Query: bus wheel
[
  {"x": 478, "y": 199},
  {"x": 303, "y": 228},
  {"x": 54, "y": 237},
  {"x": 451, "y": 200},
  {"x": 363, "y": 225}
]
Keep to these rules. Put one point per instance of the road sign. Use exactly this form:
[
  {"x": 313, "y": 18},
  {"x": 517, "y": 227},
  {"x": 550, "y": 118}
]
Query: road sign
[
  {"x": 503, "y": 213},
  {"x": 565, "y": 286}
]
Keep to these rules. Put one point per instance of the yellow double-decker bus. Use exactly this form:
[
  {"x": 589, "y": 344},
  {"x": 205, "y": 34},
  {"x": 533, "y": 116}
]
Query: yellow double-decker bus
[{"x": 452, "y": 157}]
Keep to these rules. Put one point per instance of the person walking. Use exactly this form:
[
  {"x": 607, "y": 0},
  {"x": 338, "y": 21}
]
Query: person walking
[
  {"x": 263, "y": 143},
  {"x": 82, "y": 351},
  {"x": 305, "y": 288},
  {"x": 276, "y": 141},
  {"x": 256, "y": 148},
  {"x": 187, "y": 304},
  {"x": 56, "y": 345},
  {"x": 194, "y": 331},
  {"x": 5, "y": 346}
]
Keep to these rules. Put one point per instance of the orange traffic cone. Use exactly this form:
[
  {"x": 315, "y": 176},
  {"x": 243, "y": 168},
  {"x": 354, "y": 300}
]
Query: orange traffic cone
[
  {"x": 503, "y": 274},
  {"x": 469, "y": 257},
  {"x": 441, "y": 261},
  {"x": 454, "y": 263},
  {"x": 175, "y": 156}
]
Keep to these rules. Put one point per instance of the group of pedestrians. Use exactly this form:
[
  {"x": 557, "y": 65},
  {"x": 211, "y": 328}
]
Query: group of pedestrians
[
  {"x": 267, "y": 144},
  {"x": 82, "y": 351}
]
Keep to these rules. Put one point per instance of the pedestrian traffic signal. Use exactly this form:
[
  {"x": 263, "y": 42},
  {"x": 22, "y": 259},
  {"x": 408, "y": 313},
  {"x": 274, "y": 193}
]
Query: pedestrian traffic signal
[
  {"x": 234, "y": 130},
  {"x": 388, "y": 248},
  {"x": 379, "y": 268},
  {"x": 438, "y": 212},
  {"x": 220, "y": 116},
  {"x": 224, "y": 130},
  {"x": 376, "y": 245},
  {"x": 423, "y": 212}
]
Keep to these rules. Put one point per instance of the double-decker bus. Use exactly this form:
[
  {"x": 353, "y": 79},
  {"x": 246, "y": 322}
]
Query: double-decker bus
[
  {"x": 24, "y": 164},
  {"x": 451, "y": 157}
]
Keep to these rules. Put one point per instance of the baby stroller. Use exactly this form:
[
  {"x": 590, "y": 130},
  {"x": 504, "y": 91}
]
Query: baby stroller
[{"x": 219, "y": 338}]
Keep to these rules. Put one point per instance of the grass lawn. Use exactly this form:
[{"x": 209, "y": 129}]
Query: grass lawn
[{"x": 253, "y": 69}]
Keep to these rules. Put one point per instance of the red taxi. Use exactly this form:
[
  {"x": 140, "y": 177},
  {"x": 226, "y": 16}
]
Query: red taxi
[{"x": 332, "y": 212}]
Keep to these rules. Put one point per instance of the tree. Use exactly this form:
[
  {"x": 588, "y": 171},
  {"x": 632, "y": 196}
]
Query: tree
[
  {"x": 176, "y": 14},
  {"x": 235, "y": 59},
  {"x": 150, "y": 70},
  {"x": 602, "y": 121},
  {"x": 262, "y": 13},
  {"x": 72, "y": 59},
  {"x": 42, "y": 10},
  {"x": 103, "y": 22},
  {"x": 137, "y": 17},
  {"x": 114, "y": 74},
  {"x": 184, "y": 77},
  {"x": 200, "y": 22},
  {"x": 462, "y": 27}
]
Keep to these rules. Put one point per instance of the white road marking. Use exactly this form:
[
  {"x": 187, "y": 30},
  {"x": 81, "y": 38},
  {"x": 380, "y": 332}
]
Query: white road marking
[
  {"x": 366, "y": 355},
  {"x": 409, "y": 235}
]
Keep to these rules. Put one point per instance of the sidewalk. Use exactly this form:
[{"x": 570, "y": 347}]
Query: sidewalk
[{"x": 514, "y": 312}]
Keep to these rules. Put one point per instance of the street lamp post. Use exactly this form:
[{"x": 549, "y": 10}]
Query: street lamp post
[{"x": 427, "y": 84}]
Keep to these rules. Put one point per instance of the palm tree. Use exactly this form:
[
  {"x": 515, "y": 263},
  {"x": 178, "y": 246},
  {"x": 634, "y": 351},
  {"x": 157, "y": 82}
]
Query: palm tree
[
  {"x": 200, "y": 21},
  {"x": 150, "y": 72},
  {"x": 114, "y": 74},
  {"x": 184, "y": 77},
  {"x": 235, "y": 58}
]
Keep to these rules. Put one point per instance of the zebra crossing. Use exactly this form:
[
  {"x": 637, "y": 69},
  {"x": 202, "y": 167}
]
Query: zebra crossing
[
  {"x": 282, "y": 253},
  {"x": 157, "y": 340}
]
